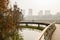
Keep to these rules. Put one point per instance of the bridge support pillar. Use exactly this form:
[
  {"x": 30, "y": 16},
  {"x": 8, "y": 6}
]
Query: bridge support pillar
[
  {"x": 26, "y": 24},
  {"x": 38, "y": 25}
]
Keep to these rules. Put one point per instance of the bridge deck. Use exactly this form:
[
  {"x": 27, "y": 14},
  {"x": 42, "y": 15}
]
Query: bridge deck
[{"x": 56, "y": 34}]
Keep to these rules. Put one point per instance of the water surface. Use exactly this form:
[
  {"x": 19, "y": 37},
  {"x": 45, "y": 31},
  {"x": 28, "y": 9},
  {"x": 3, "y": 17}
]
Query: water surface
[{"x": 30, "y": 34}]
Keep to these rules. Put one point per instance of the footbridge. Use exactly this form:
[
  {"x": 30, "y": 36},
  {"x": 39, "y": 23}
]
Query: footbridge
[
  {"x": 47, "y": 31},
  {"x": 39, "y": 25}
]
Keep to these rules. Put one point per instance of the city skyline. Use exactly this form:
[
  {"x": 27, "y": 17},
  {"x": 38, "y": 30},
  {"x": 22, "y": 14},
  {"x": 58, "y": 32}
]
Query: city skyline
[
  {"x": 37, "y": 5},
  {"x": 40, "y": 12}
]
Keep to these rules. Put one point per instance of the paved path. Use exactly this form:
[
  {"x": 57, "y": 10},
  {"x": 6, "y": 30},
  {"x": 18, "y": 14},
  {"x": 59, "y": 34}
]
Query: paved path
[{"x": 56, "y": 34}]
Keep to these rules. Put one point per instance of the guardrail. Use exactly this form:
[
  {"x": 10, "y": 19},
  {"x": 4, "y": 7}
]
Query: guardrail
[{"x": 47, "y": 32}]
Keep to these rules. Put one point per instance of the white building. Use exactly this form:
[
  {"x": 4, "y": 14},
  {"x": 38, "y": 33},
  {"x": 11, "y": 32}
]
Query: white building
[
  {"x": 30, "y": 12},
  {"x": 47, "y": 12},
  {"x": 40, "y": 13}
]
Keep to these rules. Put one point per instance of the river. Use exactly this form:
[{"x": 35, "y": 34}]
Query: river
[{"x": 30, "y": 34}]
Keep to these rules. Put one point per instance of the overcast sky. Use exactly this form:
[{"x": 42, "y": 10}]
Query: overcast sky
[{"x": 36, "y": 5}]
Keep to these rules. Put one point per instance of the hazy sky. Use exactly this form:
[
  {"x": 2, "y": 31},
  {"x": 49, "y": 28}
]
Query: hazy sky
[{"x": 36, "y": 5}]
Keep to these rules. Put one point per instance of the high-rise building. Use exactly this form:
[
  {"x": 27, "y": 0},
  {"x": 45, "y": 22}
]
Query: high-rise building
[
  {"x": 30, "y": 12},
  {"x": 40, "y": 13},
  {"x": 47, "y": 12}
]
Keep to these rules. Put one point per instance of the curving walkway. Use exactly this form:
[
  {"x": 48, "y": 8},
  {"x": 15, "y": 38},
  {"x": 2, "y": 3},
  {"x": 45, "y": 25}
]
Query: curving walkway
[{"x": 56, "y": 34}]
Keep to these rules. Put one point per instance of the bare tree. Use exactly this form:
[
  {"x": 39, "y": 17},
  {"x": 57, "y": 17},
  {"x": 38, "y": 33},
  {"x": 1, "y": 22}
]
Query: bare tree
[{"x": 8, "y": 22}]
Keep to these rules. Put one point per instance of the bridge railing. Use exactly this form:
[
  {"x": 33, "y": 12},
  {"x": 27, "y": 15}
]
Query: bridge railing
[
  {"x": 47, "y": 32},
  {"x": 35, "y": 25}
]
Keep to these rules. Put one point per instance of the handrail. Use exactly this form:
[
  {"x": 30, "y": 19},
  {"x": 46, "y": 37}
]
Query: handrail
[
  {"x": 33, "y": 23},
  {"x": 42, "y": 33}
]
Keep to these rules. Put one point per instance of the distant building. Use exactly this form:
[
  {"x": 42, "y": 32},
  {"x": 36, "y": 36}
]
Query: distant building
[
  {"x": 47, "y": 12},
  {"x": 30, "y": 12},
  {"x": 58, "y": 13},
  {"x": 40, "y": 13}
]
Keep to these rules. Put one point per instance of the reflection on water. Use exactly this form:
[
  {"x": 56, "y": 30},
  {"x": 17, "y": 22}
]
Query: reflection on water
[{"x": 30, "y": 34}]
